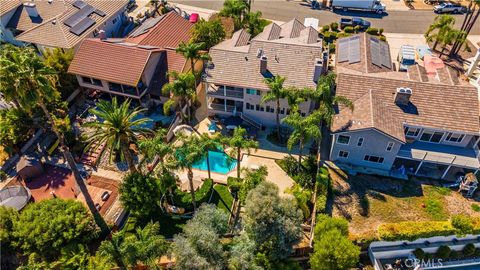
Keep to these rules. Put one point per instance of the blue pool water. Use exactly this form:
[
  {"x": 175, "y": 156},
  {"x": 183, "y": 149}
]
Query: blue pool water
[{"x": 219, "y": 163}]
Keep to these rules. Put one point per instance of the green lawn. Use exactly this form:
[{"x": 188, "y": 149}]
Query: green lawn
[
  {"x": 169, "y": 224},
  {"x": 222, "y": 197}
]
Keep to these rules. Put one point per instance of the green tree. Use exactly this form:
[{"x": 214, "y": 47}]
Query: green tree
[
  {"x": 276, "y": 93},
  {"x": 273, "y": 222},
  {"x": 251, "y": 180},
  {"x": 47, "y": 226},
  {"x": 304, "y": 130},
  {"x": 467, "y": 24},
  {"x": 235, "y": 9},
  {"x": 334, "y": 251},
  {"x": 118, "y": 128},
  {"x": 238, "y": 143},
  {"x": 29, "y": 83},
  {"x": 451, "y": 37},
  {"x": 144, "y": 247},
  {"x": 8, "y": 216},
  {"x": 187, "y": 154},
  {"x": 209, "y": 143},
  {"x": 140, "y": 194},
  {"x": 14, "y": 127},
  {"x": 441, "y": 25},
  {"x": 243, "y": 254},
  {"x": 193, "y": 52},
  {"x": 208, "y": 32},
  {"x": 182, "y": 90},
  {"x": 155, "y": 149},
  {"x": 254, "y": 23},
  {"x": 59, "y": 60},
  {"x": 199, "y": 245},
  {"x": 294, "y": 97}
]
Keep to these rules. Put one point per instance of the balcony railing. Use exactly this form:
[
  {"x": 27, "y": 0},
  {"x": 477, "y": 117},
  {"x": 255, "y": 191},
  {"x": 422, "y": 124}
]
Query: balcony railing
[
  {"x": 221, "y": 107},
  {"x": 226, "y": 93}
]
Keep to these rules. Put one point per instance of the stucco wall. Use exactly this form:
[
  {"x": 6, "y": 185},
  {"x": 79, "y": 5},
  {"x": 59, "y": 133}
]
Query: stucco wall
[{"x": 374, "y": 143}]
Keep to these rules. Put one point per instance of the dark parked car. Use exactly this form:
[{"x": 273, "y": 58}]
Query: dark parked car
[
  {"x": 354, "y": 21},
  {"x": 449, "y": 8}
]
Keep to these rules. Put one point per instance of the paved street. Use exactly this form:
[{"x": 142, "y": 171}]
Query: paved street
[{"x": 412, "y": 21}]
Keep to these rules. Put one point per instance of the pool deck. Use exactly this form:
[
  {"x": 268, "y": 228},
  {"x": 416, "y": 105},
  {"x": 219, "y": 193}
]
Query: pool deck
[{"x": 255, "y": 159}]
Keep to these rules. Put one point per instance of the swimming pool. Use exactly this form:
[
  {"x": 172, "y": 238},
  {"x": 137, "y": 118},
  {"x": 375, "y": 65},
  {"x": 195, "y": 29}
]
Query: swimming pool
[{"x": 219, "y": 163}]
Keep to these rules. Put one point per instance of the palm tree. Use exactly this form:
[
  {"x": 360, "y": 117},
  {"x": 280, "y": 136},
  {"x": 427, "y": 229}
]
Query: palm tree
[
  {"x": 192, "y": 52},
  {"x": 155, "y": 149},
  {"x": 235, "y": 9},
  {"x": 304, "y": 129},
  {"x": 436, "y": 31},
  {"x": 471, "y": 16},
  {"x": 450, "y": 37},
  {"x": 113, "y": 249},
  {"x": 253, "y": 22},
  {"x": 209, "y": 144},
  {"x": 118, "y": 128},
  {"x": 181, "y": 89},
  {"x": 27, "y": 80},
  {"x": 277, "y": 92},
  {"x": 238, "y": 143},
  {"x": 294, "y": 97},
  {"x": 189, "y": 152}
]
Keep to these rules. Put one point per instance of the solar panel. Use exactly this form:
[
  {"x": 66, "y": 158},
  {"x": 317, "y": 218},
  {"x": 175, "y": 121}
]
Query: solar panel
[
  {"x": 342, "y": 50},
  {"x": 79, "y": 16},
  {"x": 82, "y": 26},
  {"x": 79, "y": 4},
  {"x": 385, "y": 55},
  {"x": 354, "y": 50},
  {"x": 375, "y": 52}
]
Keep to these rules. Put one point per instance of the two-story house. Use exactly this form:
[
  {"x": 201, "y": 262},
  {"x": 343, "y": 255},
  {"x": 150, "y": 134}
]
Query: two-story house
[
  {"x": 135, "y": 67},
  {"x": 402, "y": 123},
  {"x": 234, "y": 78},
  {"x": 59, "y": 23}
]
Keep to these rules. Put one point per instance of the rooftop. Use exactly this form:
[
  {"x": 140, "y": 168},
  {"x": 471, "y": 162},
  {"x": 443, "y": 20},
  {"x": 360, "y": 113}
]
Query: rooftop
[
  {"x": 291, "y": 50},
  {"x": 51, "y": 28}
]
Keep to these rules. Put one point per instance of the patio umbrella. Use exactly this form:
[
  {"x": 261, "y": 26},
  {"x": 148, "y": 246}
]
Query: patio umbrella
[
  {"x": 213, "y": 127},
  {"x": 185, "y": 129}
]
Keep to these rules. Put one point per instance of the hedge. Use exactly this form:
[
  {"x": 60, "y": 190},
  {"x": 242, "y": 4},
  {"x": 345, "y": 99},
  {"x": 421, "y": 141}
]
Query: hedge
[
  {"x": 412, "y": 230},
  {"x": 234, "y": 184},
  {"x": 184, "y": 199}
]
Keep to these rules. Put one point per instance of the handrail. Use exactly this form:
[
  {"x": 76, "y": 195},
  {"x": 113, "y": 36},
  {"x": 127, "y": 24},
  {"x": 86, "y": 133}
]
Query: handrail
[{"x": 250, "y": 121}]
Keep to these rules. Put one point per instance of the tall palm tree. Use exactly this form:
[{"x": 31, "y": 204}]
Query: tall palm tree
[
  {"x": 238, "y": 143},
  {"x": 193, "y": 52},
  {"x": 182, "y": 89},
  {"x": 439, "y": 28},
  {"x": 253, "y": 22},
  {"x": 276, "y": 93},
  {"x": 304, "y": 130},
  {"x": 27, "y": 80},
  {"x": 294, "y": 97},
  {"x": 155, "y": 149},
  {"x": 209, "y": 144},
  {"x": 450, "y": 38},
  {"x": 471, "y": 17},
  {"x": 117, "y": 127},
  {"x": 189, "y": 152},
  {"x": 235, "y": 9}
]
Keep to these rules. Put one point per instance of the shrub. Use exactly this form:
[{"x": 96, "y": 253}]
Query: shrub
[
  {"x": 334, "y": 26},
  {"x": 357, "y": 28},
  {"x": 348, "y": 29},
  {"x": 419, "y": 253},
  {"x": 469, "y": 250},
  {"x": 343, "y": 34},
  {"x": 475, "y": 207},
  {"x": 289, "y": 164},
  {"x": 382, "y": 38},
  {"x": 477, "y": 252},
  {"x": 380, "y": 31},
  {"x": 372, "y": 31},
  {"x": 463, "y": 224},
  {"x": 331, "y": 48},
  {"x": 443, "y": 252},
  {"x": 454, "y": 254},
  {"x": 412, "y": 230},
  {"x": 184, "y": 199},
  {"x": 304, "y": 179},
  {"x": 321, "y": 204},
  {"x": 140, "y": 194},
  {"x": 234, "y": 184},
  {"x": 3, "y": 176},
  {"x": 325, "y": 28}
]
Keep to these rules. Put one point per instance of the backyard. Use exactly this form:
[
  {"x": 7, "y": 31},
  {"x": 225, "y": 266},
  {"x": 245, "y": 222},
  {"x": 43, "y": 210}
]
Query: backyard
[{"x": 368, "y": 201}]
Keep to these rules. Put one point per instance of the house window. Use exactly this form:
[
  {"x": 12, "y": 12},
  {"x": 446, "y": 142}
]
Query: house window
[
  {"x": 390, "y": 146},
  {"x": 86, "y": 80},
  {"x": 303, "y": 114},
  {"x": 360, "y": 142},
  {"x": 282, "y": 111},
  {"x": 268, "y": 109},
  {"x": 411, "y": 132},
  {"x": 251, "y": 91},
  {"x": 262, "y": 109},
  {"x": 115, "y": 87},
  {"x": 343, "y": 139},
  {"x": 257, "y": 107},
  {"x": 114, "y": 21},
  {"x": 288, "y": 112},
  {"x": 249, "y": 106},
  {"x": 431, "y": 136},
  {"x": 343, "y": 154},
  {"x": 373, "y": 159},
  {"x": 454, "y": 137},
  {"x": 97, "y": 82}
]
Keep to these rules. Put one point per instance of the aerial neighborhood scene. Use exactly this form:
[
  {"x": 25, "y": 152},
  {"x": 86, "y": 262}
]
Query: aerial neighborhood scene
[{"x": 240, "y": 134}]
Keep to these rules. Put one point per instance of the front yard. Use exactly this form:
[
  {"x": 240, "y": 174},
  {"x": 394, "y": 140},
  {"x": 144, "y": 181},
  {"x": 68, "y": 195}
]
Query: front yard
[{"x": 368, "y": 201}]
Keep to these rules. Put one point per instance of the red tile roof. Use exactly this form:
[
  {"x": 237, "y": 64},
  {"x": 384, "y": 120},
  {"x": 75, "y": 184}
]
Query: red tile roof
[
  {"x": 170, "y": 30},
  {"x": 114, "y": 62}
]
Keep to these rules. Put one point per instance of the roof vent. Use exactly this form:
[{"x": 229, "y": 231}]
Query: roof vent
[
  {"x": 318, "y": 70},
  {"x": 259, "y": 53},
  {"x": 402, "y": 96},
  {"x": 50, "y": 1},
  {"x": 31, "y": 9},
  {"x": 54, "y": 21},
  {"x": 102, "y": 35},
  {"x": 263, "y": 64}
]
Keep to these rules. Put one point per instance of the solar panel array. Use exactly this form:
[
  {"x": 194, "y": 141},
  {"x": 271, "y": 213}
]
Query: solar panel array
[
  {"x": 380, "y": 53},
  {"x": 348, "y": 49},
  {"x": 79, "y": 22}
]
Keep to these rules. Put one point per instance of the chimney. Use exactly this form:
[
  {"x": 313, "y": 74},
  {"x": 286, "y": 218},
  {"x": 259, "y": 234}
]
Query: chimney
[
  {"x": 402, "y": 96},
  {"x": 318, "y": 71},
  {"x": 263, "y": 64},
  {"x": 102, "y": 35},
  {"x": 31, "y": 9}
]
